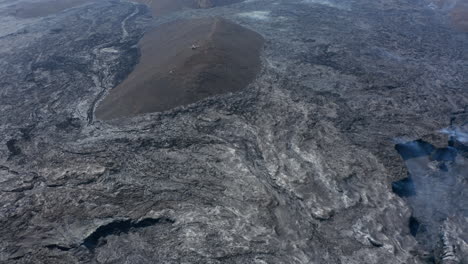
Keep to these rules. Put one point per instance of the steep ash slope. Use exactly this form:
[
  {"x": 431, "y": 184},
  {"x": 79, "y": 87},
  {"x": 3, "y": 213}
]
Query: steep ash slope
[
  {"x": 183, "y": 62},
  {"x": 298, "y": 168}
]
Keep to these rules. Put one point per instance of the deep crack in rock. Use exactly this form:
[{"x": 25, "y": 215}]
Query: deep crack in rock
[{"x": 118, "y": 227}]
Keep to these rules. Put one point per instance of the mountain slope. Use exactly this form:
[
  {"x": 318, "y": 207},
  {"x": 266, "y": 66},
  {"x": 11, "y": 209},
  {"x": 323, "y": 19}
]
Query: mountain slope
[{"x": 183, "y": 62}]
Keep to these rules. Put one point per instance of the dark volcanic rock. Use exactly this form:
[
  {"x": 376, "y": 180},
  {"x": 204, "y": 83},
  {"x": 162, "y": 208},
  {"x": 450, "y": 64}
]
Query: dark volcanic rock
[
  {"x": 298, "y": 168},
  {"x": 26, "y": 9}
]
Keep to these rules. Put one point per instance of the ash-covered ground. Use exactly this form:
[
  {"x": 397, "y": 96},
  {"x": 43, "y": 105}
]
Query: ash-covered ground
[{"x": 350, "y": 146}]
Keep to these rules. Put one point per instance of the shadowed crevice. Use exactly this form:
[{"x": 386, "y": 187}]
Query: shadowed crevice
[
  {"x": 404, "y": 187},
  {"x": 120, "y": 227},
  {"x": 13, "y": 147}
]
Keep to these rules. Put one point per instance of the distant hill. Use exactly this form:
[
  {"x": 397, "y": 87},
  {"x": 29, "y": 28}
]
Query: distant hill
[
  {"x": 458, "y": 11},
  {"x": 162, "y": 7}
]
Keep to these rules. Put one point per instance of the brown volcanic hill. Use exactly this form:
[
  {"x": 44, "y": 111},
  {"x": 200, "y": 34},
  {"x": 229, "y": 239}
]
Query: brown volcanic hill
[
  {"x": 162, "y": 7},
  {"x": 183, "y": 62},
  {"x": 458, "y": 12},
  {"x": 460, "y": 15}
]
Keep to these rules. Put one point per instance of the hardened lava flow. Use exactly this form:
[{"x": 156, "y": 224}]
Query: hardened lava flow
[{"x": 286, "y": 131}]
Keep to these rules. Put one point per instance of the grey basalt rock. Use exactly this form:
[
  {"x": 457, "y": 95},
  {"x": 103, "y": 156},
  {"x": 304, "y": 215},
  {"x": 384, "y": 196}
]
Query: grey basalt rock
[{"x": 297, "y": 168}]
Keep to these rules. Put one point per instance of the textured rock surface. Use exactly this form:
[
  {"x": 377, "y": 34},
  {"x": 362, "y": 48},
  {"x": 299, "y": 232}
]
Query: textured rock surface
[
  {"x": 298, "y": 168},
  {"x": 40, "y": 8}
]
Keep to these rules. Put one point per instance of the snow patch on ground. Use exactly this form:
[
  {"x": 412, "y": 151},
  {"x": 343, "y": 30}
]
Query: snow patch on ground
[
  {"x": 259, "y": 15},
  {"x": 331, "y": 3}
]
